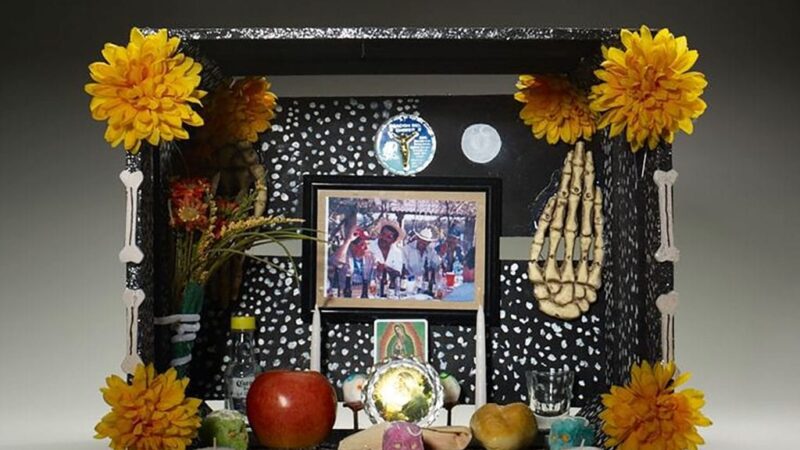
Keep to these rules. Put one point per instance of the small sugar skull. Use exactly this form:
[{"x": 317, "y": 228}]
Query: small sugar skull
[
  {"x": 402, "y": 436},
  {"x": 452, "y": 389},
  {"x": 570, "y": 432},
  {"x": 351, "y": 390}
]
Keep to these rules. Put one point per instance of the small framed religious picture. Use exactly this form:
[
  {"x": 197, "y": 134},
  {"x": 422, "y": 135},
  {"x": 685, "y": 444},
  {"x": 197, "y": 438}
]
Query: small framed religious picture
[
  {"x": 394, "y": 247},
  {"x": 401, "y": 338}
]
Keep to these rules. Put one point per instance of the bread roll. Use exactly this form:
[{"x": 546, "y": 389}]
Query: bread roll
[{"x": 509, "y": 427}]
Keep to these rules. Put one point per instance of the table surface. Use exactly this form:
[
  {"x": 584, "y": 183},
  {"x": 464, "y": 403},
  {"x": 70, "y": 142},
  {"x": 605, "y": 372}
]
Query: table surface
[
  {"x": 461, "y": 293},
  {"x": 344, "y": 425},
  {"x": 336, "y": 436}
]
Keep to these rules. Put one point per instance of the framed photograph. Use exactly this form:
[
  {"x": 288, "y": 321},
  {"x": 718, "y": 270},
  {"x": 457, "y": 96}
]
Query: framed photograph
[
  {"x": 399, "y": 245},
  {"x": 401, "y": 339}
]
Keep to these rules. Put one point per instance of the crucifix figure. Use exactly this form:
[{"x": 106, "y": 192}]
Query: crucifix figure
[{"x": 404, "y": 140}]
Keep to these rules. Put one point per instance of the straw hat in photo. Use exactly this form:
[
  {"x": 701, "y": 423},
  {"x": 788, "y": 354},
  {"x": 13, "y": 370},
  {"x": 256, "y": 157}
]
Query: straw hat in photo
[
  {"x": 385, "y": 222},
  {"x": 427, "y": 234}
]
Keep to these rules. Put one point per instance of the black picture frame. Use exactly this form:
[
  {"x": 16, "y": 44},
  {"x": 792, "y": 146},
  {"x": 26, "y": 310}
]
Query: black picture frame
[{"x": 487, "y": 295}]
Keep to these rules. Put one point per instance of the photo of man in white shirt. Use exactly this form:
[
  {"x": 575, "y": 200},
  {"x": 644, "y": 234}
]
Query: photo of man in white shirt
[{"x": 384, "y": 259}]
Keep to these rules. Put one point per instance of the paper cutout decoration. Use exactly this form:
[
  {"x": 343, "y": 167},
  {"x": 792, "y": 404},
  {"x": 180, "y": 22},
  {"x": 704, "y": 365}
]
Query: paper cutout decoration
[
  {"x": 665, "y": 181},
  {"x": 132, "y": 299},
  {"x": 131, "y": 253},
  {"x": 667, "y": 304}
]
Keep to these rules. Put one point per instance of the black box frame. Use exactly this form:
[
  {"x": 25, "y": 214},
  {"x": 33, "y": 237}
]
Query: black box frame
[{"x": 632, "y": 278}]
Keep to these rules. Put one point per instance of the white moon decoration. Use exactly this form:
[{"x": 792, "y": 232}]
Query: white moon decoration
[{"x": 481, "y": 143}]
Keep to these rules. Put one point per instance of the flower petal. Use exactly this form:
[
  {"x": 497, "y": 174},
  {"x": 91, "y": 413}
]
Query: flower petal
[{"x": 646, "y": 90}]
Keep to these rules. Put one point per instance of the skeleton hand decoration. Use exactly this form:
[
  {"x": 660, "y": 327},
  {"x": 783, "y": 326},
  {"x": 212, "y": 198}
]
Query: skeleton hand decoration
[
  {"x": 130, "y": 252},
  {"x": 132, "y": 299},
  {"x": 667, "y": 304},
  {"x": 664, "y": 180},
  {"x": 566, "y": 291}
]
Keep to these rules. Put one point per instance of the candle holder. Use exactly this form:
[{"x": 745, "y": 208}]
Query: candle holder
[{"x": 355, "y": 408}]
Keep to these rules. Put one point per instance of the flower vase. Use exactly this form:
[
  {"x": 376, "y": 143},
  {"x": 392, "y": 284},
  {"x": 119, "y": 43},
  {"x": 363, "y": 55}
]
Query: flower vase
[{"x": 185, "y": 333}]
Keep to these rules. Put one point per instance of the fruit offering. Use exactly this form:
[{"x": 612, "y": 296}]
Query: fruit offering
[
  {"x": 508, "y": 427},
  {"x": 224, "y": 428},
  {"x": 291, "y": 409}
]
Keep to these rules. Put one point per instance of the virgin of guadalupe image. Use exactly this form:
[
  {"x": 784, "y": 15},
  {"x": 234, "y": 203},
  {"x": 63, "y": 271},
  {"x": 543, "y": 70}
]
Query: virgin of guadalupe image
[
  {"x": 400, "y": 345},
  {"x": 401, "y": 339}
]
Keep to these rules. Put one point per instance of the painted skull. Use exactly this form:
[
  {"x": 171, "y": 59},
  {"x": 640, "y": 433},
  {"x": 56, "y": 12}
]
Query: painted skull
[
  {"x": 351, "y": 390},
  {"x": 402, "y": 436},
  {"x": 452, "y": 389}
]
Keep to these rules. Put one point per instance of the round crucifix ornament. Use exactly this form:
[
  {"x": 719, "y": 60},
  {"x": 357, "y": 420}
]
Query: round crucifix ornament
[{"x": 405, "y": 144}]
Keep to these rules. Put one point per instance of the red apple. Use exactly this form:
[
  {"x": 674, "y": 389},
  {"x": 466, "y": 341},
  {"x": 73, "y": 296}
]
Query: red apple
[{"x": 289, "y": 409}]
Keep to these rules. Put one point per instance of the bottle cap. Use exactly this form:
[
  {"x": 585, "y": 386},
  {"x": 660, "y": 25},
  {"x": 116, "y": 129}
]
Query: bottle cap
[{"x": 243, "y": 323}]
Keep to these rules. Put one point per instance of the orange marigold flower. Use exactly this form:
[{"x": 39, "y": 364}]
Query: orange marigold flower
[
  {"x": 647, "y": 413},
  {"x": 647, "y": 89},
  {"x": 239, "y": 111},
  {"x": 151, "y": 413},
  {"x": 554, "y": 108},
  {"x": 145, "y": 90}
]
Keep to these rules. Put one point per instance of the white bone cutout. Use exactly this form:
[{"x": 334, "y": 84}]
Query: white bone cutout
[
  {"x": 132, "y": 299},
  {"x": 131, "y": 253},
  {"x": 667, "y": 251},
  {"x": 667, "y": 304}
]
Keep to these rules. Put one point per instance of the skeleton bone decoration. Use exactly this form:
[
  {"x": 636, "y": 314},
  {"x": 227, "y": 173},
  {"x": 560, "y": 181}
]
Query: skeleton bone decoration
[
  {"x": 665, "y": 180},
  {"x": 566, "y": 291},
  {"x": 667, "y": 304},
  {"x": 132, "y": 299},
  {"x": 131, "y": 253}
]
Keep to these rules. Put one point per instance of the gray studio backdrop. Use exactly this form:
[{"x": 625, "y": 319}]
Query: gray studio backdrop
[{"x": 61, "y": 224}]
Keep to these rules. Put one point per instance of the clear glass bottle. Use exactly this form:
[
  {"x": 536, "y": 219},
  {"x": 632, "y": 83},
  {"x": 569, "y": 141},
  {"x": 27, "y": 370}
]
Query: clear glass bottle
[
  {"x": 458, "y": 268},
  {"x": 242, "y": 367}
]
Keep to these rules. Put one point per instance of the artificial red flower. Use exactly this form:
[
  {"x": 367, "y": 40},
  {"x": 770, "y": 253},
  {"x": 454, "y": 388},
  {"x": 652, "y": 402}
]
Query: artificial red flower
[{"x": 189, "y": 205}]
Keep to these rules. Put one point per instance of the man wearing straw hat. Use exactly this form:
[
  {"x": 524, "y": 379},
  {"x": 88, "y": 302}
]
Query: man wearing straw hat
[{"x": 420, "y": 255}]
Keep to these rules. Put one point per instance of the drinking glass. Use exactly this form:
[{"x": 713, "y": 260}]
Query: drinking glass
[{"x": 550, "y": 391}]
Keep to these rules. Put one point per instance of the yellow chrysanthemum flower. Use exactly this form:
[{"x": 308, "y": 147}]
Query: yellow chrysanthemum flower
[
  {"x": 151, "y": 413},
  {"x": 144, "y": 91},
  {"x": 647, "y": 89},
  {"x": 648, "y": 414},
  {"x": 554, "y": 108},
  {"x": 239, "y": 111}
]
